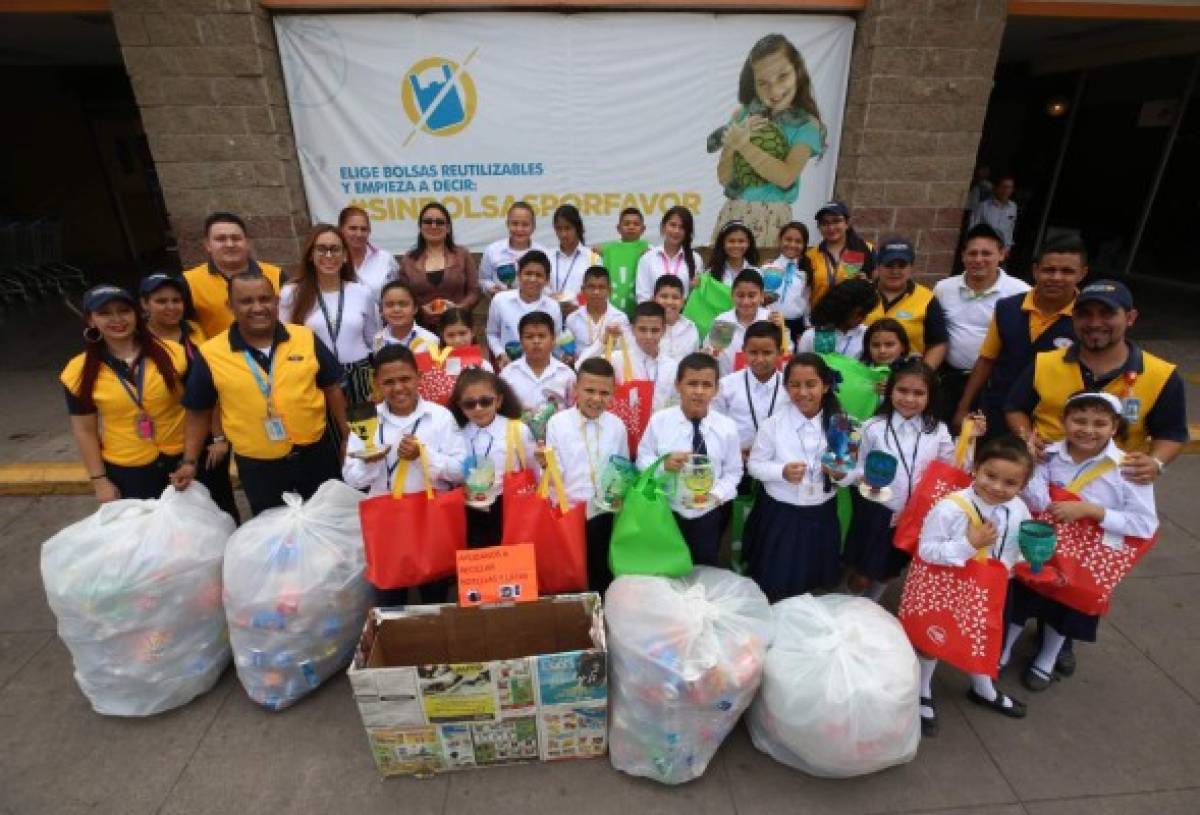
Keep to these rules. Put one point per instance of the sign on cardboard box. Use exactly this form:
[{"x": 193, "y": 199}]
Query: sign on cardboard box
[{"x": 497, "y": 574}]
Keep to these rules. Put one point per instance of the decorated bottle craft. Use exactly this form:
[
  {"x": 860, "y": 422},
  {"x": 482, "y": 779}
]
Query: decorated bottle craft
[
  {"x": 825, "y": 341},
  {"x": 699, "y": 476},
  {"x": 1037, "y": 541},
  {"x": 479, "y": 474},
  {"x": 514, "y": 350},
  {"x": 616, "y": 479},
  {"x": 507, "y": 273},
  {"x": 879, "y": 471},
  {"x": 565, "y": 345},
  {"x": 720, "y": 335},
  {"x": 842, "y": 440},
  {"x": 364, "y": 423}
]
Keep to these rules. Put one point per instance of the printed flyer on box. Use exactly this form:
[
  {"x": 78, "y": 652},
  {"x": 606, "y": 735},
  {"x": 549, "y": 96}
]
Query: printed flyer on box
[
  {"x": 574, "y": 732},
  {"x": 388, "y": 697},
  {"x": 506, "y": 740},
  {"x": 401, "y": 751},
  {"x": 458, "y": 692},
  {"x": 514, "y": 683},
  {"x": 571, "y": 677}
]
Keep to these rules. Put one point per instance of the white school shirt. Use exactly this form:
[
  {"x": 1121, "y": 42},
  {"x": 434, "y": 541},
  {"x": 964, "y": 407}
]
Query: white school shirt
[
  {"x": 497, "y": 254},
  {"x": 726, "y": 357},
  {"x": 505, "y": 313},
  {"x": 438, "y": 432},
  {"x": 533, "y": 391},
  {"x": 582, "y": 459},
  {"x": 669, "y": 431},
  {"x": 968, "y": 314},
  {"x": 660, "y": 370},
  {"x": 680, "y": 339},
  {"x": 729, "y": 274},
  {"x": 378, "y": 267},
  {"x": 787, "y": 437},
  {"x": 944, "y": 534},
  {"x": 793, "y": 294},
  {"x": 492, "y": 442},
  {"x": 588, "y": 331},
  {"x": 360, "y": 319},
  {"x": 655, "y": 263},
  {"x": 765, "y": 399},
  {"x": 847, "y": 343},
  {"x": 417, "y": 339},
  {"x": 566, "y": 271},
  {"x": 1128, "y": 508},
  {"x": 913, "y": 446}
]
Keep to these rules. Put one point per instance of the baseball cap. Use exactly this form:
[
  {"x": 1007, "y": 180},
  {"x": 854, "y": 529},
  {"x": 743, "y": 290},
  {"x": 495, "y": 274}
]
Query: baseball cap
[
  {"x": 1109, "y": 292},
  {"x": 99, "y": 296},
  {"x": 833, "y": 208},
  {"x": 154, "y": 282},
  {"x": 893, "y": 249}
]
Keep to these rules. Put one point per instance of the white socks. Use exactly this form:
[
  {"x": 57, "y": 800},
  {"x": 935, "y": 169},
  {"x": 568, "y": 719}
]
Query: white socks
[
  {"x": 982, "y": 685},
  {"x": 1052, "y": 643},
  {"x": 927, "y": 668},
  {"x": 1010, "y": 639}
]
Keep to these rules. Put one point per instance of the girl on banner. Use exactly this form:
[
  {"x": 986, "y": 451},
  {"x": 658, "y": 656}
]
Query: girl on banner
[{"x": 769, "y": 139}]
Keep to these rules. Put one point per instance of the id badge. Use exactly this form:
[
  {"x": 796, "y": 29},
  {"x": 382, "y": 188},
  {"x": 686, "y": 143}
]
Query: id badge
[
  {"x": 144, "y": 426},
  {"x": 275, "y": 429},
  {"x": 1131, "y": 408}
]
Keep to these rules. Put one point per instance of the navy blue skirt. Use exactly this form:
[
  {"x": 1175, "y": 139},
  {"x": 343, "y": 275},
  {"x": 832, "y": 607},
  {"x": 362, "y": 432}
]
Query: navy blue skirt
[
  {"x": 1024, "y": 603},
  {"x": 792, "y": 549},
  {"x": 869, "y": 550}
]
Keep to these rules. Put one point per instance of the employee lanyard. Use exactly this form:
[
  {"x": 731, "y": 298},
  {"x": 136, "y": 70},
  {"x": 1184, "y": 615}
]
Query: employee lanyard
[
  {"x": 558, "y": 284},
  {"x": 846, "y": 344},
  {"x": 750, "y": 400},
  {"x": 264, "y": 385},
  {"x": 909, "y": 467},
  {"x": 140, "y": 372},
  {"x": 831, "y": 265},
  {"x": 812, "y": 465},
  {"x": 591, "y": 455},
  {"x": 391, "y": 468},
  {"x": 668, "y": 267},
  {"x": 789, "y": 272},
  {"x": 335, "y": 328},
  {"x": 1003, "y": 538},
  {"x": 486, "y": 452}
]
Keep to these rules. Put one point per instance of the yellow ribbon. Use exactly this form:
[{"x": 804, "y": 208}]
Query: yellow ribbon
[
  {"x": 628, "y": 363},
  {"x": 512, "y": 446},
  {"x": 1091, "y": 474},
  {"x": 973, "y": 518},
  {"x": 966, "y": 441},
  {"x": 553, "y": 475}
]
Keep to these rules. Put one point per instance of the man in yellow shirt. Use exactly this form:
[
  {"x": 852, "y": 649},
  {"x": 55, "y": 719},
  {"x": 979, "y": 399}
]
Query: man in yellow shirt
[
  {"x": 1022, "y": 326},
  {"x": 228, "y": 248},
  {"x": 275, "y": 385}
]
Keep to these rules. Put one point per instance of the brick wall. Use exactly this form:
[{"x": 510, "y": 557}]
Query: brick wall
[
  {"x": 920, "y": 77},
  {"x": 207, "y": 79}
]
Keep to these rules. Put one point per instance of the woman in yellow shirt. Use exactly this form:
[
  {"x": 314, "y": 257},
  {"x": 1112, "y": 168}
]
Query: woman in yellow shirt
[{"x": 123, "y": 395}]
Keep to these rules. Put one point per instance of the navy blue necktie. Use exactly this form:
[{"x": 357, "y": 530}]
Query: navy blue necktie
[{"x": 698, "y": 445}]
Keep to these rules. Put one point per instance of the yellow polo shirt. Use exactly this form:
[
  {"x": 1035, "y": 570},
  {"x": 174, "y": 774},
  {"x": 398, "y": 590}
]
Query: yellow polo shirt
[
  {"x": 210, "y": 294},
  {"x": 1039, "y": 321}
]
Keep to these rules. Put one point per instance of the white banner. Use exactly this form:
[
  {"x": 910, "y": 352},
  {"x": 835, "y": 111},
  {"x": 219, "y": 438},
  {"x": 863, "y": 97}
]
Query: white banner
[{"x": 603, "y": 111}]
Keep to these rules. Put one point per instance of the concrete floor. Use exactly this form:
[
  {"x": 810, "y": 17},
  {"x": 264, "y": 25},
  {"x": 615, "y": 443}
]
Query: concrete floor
[{"x": 1119, "y": 737}]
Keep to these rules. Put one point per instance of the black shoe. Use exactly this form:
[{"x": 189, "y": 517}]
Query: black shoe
[
  {"x": 1035, "y": 679},
  {"x": 929, "y": 724},
  {"x": 1065, "y": 664},
  {"x": 1014, "y": 710}
]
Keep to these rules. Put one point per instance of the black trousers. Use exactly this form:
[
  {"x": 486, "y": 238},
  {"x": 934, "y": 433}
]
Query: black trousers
[
  {"x": 305, "y": 468},
  {"x": 599, "y": 537},
  {"x": 146, "y": 481},
  {"x": 953, "y": 383},
  {"x": 703, "y": 534},
  {"x": 219, "y": 484}
]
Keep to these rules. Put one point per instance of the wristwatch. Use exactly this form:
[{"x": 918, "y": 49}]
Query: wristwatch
[
  {"x": 219, "y": 439},
  {"x": 1162, "y": 468}
]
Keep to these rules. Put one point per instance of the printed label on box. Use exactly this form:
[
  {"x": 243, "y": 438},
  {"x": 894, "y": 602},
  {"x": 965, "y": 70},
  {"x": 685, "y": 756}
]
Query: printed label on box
[
  {"x": 406, "y": 751},
  {"x": 514, "y": 683},
  {"x": 574, "y": 732},
  {"x": 578, "y": 676},
  {"x": 459, "y": 692},
  {"x": 457, "y": 746},
  {"x": 388, "y": 697},
  {"x": 505, "y": 741}
]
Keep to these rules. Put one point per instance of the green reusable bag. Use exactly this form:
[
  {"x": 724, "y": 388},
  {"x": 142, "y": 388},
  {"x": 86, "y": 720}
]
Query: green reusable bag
[
  {"x": 741, "y": 510},
  {"x": 621, "y": 260},
  {"x": 856, "y": 388},
  {"x": 645, "y": 538},
  {"x": 708, "y": 298}
]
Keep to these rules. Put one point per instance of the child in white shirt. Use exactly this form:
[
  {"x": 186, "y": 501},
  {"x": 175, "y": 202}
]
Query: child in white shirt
[
  {"x": 681, "y": 337},
  {"x": 509, "y": 307},
  {"x": 589, "y": 324},
  {"x": 790, "y": 298},
  {"x": 399, "y": 309},
  {"x": 537, "y": 377},
  {"x": 500, "y": 259},
  {"x": 641, "y": 346},
  {"x": 752, "y": 395},
  {"x": 842, "y": 312},
  {"x": 674, "y": 257}
]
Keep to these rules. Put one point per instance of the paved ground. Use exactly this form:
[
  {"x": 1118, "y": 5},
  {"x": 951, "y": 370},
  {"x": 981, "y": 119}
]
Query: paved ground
[{"x": 1120, "y": 737}]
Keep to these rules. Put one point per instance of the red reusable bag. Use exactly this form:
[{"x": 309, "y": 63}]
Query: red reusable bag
[
  {"x": 439, "y": 374},
  {"x": 939, "y": 480},
  {"x": 557, "y": 530},
  {"x": 633, "y": 399},
  {"x": 956, "y": 613},
  {"x": 519, "y": 477},
  {"x": 1086, "y": 569},
  {"x": 412, "y": 539}
]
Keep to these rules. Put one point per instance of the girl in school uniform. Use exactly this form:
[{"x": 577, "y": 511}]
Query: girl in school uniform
[
  {"x": 1087, "y": 462},
  {"x": 399, "y": 309},
  {"x": 885, "y": 342},
  {"x": 489, "y": 420},
  {"x": 123, "y": 394},
  {"x": 165, "y": 303},
  {"x": 456, "y": 330},
  {"x": 408, "y": 426},
  {"x": 571, "y": 259},
  {"x": 733, "y": 252},
  {"x": 792, "y": 537},
  {"x": 843, "y": 312},
  {"x": 681, "y": 337},
  {"x": 906, "y": 426},
  {"x": 501, "y": 258},
  {"x": 673, "y": 257},
  {"x": 795, "y": 269},
  {"x": 985, "y": 517},
  {"x": 328, "y": 298}
]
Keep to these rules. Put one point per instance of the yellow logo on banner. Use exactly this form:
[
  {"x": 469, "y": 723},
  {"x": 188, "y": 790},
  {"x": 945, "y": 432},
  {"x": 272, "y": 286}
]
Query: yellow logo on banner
[{"x": 439, "y": 96}]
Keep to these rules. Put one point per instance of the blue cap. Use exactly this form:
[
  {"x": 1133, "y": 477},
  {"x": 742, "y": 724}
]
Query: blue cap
[
  {"x": 1109, "y": 292},
  {"x": 833, "y": 208},
  {"x": 893, "y": 249},
  {"x": 154, "y": 282},
  {"x": 98, "y": 296}
]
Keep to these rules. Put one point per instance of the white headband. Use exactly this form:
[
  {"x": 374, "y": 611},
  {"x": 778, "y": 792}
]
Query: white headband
[{"x": 1108, "y": 399}]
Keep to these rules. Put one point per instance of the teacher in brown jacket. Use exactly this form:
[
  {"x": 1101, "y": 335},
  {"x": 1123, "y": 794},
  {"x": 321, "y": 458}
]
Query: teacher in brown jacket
[{"x": 440, "y": 274}]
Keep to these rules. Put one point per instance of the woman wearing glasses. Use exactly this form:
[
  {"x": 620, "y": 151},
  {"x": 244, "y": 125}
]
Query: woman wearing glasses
[
  {"x": 440, "y": 274},
  {"x": 328, "y": 299},
  {"x": 373, "y": 266}
]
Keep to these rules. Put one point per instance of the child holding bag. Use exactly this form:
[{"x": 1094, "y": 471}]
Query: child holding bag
[{"x": 415, "y": 440}]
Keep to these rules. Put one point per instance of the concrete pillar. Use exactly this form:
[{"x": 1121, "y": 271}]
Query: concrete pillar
[
  {"x": 207, "y": 79},
  {"x": 920, "y": 77}
]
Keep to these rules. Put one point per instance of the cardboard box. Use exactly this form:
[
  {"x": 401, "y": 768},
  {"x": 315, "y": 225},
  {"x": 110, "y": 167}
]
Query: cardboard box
[{"x": 446, "y": 688}]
